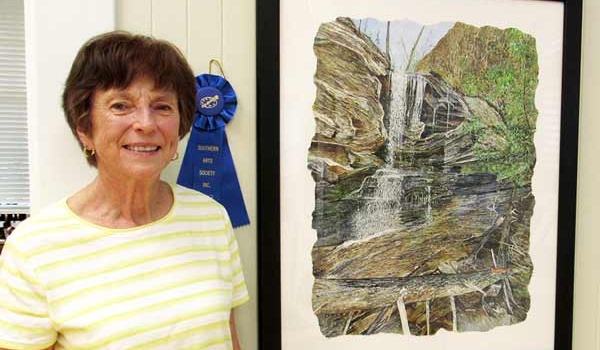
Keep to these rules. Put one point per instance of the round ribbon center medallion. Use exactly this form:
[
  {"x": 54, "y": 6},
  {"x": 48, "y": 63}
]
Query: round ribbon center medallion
[{"x": 209, "y": 101}]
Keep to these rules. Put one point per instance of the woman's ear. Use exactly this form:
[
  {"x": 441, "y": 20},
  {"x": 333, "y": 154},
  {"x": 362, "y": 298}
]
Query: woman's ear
[{"x": 84, "y": 138}]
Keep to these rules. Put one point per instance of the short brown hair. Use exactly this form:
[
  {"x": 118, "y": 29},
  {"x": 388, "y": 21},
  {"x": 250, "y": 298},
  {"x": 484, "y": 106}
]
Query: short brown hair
[{"x": 114, "y": 60}]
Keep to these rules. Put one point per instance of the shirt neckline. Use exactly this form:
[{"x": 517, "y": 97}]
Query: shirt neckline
[{"x": 128, "y": 229}]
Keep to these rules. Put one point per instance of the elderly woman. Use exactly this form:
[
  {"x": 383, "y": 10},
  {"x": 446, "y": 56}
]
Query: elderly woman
[{"x": 129, "y": 261}]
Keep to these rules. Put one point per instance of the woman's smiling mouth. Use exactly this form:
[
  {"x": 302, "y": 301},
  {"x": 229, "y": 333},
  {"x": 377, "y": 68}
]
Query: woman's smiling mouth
[{"x": 141, "y": 148}]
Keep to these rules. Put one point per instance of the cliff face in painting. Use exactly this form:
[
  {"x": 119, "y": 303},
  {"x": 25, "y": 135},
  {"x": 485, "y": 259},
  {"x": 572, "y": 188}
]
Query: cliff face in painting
[{"x": 422, "y": 158}]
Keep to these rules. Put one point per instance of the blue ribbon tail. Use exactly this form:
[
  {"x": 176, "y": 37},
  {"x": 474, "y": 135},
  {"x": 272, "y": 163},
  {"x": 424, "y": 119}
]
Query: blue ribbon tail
[
  {"x": 232, "y": 198},
  {"x": 208, "y": 168}
]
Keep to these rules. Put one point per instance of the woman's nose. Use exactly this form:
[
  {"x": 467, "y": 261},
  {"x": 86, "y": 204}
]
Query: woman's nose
[{"x": 145, "y": 120}]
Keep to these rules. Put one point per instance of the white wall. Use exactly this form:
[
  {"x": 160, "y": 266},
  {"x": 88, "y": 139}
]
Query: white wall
[
  {"x": 54, "y": 32},
  {"x": 586, "y": 325}
]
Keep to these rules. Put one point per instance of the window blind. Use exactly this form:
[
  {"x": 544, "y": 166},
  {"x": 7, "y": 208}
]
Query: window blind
[{"x": 14, "y": 165}]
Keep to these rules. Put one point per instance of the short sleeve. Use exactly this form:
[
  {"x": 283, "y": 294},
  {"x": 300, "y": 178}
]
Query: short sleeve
[
  {"x": 24, "y": 319},
  {"x": 240, "y": 292}
]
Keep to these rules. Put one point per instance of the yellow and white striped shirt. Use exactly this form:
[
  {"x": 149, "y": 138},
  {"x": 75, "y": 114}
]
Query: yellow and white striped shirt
[{"x": 166, "y": 285}]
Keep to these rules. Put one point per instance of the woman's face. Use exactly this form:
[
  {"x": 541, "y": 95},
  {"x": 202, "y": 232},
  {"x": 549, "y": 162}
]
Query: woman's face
[{"x": 134, "y": 130}]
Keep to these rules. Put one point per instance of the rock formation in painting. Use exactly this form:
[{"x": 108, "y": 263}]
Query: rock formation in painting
[
  {"x": 422, "y": 182},
  {"x": 348, "y": 111}
]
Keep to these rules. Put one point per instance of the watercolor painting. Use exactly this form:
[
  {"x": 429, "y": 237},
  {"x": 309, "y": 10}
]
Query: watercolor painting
[{"x": 422, "y": 159}]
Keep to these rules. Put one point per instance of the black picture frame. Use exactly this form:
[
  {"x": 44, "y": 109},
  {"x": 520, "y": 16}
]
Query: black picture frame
[{"x": 268, "y": 168}]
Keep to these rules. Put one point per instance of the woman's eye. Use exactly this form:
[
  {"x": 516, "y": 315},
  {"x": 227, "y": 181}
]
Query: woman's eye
[
  {"x": 165, "y": 108},
  {"x": 119, "y": 107}
]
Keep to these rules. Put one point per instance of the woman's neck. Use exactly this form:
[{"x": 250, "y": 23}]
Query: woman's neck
[{"x": 122, "y": 204}]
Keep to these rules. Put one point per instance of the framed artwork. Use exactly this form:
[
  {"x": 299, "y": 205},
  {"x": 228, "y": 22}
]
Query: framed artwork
[{"x": 417, "y": 173}]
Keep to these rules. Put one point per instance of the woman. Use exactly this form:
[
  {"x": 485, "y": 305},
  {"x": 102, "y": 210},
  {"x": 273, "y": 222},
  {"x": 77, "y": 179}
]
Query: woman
[{"x": 129, "y": 261}]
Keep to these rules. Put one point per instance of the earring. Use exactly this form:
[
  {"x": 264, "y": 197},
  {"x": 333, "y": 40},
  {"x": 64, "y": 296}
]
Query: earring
[
  {"x": 175, "y": 157},
  {"x": 90, "y": 154}
]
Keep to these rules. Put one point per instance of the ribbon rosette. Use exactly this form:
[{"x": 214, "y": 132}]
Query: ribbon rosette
[
  {"x": 207, "y": 165},
  {"x": 216, "y": 102}
]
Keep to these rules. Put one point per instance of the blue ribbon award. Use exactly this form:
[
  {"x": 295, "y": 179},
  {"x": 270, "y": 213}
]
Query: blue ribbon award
[{"x": 207, "y": 164}]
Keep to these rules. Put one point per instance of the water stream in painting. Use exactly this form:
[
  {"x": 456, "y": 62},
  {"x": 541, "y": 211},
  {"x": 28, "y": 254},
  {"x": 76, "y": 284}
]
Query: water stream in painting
[{"x": 394, "y": 189}]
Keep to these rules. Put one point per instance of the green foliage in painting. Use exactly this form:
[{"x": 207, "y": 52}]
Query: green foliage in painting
[{"x": 501, "y": 67}]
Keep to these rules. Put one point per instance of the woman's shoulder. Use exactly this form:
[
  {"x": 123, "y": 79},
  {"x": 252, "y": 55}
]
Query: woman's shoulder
[
  {"x": 191, "y": 201},
  {"x": 188, "y": 195},
  {"x": 55, "y": 212},
  {"x": 48, "y": 220}
]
